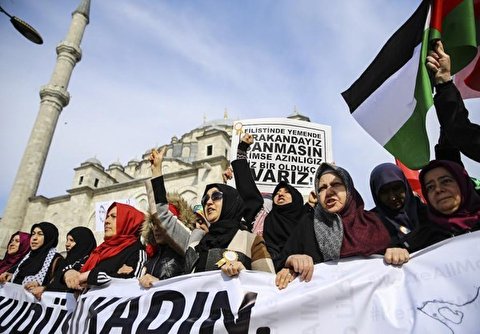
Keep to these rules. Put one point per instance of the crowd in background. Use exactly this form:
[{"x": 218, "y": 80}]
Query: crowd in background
[{"x": 233, "y": 229}]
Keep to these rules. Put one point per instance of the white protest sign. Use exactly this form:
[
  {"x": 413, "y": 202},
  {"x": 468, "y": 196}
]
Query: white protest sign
[
  {"x": 284, "y": 150},
  {"x": 101, "y": 211}
]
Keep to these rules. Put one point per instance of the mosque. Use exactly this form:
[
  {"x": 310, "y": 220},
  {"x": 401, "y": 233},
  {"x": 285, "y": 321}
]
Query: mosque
[{"x": 192, "y": 161}]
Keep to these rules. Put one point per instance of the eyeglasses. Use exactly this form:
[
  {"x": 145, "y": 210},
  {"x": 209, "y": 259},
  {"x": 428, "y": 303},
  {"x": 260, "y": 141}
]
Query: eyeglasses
[{"x": 216, "y": 196}]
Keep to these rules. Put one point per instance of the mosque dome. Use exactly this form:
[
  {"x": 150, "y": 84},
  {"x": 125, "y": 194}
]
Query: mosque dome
[
  {"x": 94, "y": 161},
  {"x": 116, "y": 164},
  {"x": 222, "y": 122},
  {"x": 133, "y": 162}
]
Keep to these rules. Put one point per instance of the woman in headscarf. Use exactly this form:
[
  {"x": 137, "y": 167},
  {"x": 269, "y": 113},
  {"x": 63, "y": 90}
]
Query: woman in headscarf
[
  {"x": 286, "y": 214},
  {"x": 226, "y": 246},
  {"x": 17, "y": 248},
  {"x": 287, "y": 210},
  {"x": 80, "y": 242},
  {"x": 200, "y": 219},
  {"x": 37, "y": 267},
  {"x": 453, "y": 204},
  {"x": 121, "y": 255},
  {"x": 164, "y": 261},
  {"x": 399, "y": 208},
  {"x": 341, "y": 228}
]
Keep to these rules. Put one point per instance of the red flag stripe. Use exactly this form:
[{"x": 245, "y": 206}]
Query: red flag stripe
[
  {"x": 412, "y": 178},
  {"x": 440, "y": 9},
  {"x": 473, "y": 79}
]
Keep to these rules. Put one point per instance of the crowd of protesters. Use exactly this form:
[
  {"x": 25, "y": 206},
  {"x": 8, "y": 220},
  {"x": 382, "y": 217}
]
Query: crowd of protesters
[{"x": 234, "y": 229}]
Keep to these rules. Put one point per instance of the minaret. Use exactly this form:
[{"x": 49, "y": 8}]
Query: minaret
[{"x": 53, "y": 97}]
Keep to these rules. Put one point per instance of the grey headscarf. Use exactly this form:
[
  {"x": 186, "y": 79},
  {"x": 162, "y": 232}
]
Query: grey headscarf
[{"x": 328, "y": 226}]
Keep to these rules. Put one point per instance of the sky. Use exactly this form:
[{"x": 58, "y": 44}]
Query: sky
[{"x": 152, "y": 70}]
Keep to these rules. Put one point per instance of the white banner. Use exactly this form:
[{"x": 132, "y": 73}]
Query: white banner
[
  {"x": 436, "y": 292},
  {"x": 284, "y": 150},
  {"x": 20, "y": 312}
]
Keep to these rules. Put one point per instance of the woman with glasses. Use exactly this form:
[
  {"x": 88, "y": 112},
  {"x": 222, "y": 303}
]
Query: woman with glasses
[{"x": 226, "y": 246}]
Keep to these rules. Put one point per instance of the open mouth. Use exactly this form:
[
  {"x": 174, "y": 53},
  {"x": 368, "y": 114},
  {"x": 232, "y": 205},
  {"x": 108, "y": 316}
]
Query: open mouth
[{"x": 331, "y": 202}]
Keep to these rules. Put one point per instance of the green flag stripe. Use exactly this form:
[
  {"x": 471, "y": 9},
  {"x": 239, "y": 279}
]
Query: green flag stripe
[
  {"x": 459, "y": 35},
  {"x": 410, "y": 144}
]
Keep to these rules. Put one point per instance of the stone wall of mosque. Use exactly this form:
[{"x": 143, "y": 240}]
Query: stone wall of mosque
[{"x": 196, "y": 159}]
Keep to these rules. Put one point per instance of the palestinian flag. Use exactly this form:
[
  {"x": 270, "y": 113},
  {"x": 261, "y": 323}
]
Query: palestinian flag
[
  {"x": 391, "y": 98},
  {"x": 467, "y": 80}
]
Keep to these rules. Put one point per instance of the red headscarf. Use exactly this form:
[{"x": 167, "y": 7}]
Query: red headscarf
[
  {"x": 129, "y": 221},
  {"x": 10, "y": 260}
]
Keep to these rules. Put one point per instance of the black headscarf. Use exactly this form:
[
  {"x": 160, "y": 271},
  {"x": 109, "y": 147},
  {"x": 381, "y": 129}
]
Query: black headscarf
[
  {"x": 34, "y": 261},
  {"x": 222, "y": 231},
  {"x": 396, "y": 220},
  {"x": 282, "y": 220},
  {"x": 85, "y": 243}
]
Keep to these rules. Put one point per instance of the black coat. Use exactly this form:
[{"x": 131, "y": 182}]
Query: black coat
[
  {"x": 454, "y": 122},
  {"x": 133, "y": 256}
]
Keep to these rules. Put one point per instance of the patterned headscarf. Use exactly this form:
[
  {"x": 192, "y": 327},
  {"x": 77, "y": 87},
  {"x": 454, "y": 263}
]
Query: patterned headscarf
[{"x": 35, "y": 264}]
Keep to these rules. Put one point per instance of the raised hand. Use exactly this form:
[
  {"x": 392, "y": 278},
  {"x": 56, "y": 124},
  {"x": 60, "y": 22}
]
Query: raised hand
[
  {"x": 439, "y": 63},
  {"x": 156, "y": 161},
  {"x": 247, "y": 138}
]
